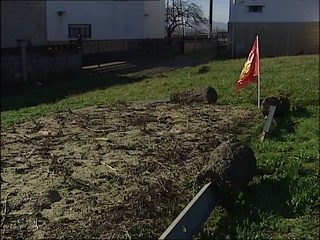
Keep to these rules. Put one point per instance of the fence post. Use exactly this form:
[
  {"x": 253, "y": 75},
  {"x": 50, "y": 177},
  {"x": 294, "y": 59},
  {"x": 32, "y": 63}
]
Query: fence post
[
  {"x": 99, "y": 54},
  {"x": 193, "y": 216},
  {"x": 23, "y": 59}
]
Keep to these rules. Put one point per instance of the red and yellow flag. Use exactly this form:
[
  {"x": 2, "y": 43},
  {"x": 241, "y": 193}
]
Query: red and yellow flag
[{"x": 251, "y": 68}]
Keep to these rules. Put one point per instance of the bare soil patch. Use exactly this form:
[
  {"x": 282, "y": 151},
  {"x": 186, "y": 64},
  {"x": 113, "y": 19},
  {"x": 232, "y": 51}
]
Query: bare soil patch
[{"x": 116, "y": 171}]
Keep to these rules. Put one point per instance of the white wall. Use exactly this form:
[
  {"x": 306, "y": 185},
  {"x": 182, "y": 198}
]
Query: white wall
[
  {"x": 108, "y": 19},
  {"x": 275, "y": 11},
  {"x": 154, "y": 23}
]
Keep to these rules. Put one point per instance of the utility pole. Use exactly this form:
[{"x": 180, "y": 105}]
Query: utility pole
[
  {"x": 167, "y": 18},
  {"x": 173, "y": 9},
  {"x": 167, "y": 10},
  {"x": 210, "y": 18},
  {"x": 234, "y": 5},
  {"x": 183, "y": 27}
]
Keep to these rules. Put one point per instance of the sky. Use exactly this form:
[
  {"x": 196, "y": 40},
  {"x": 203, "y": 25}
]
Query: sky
[{"x": 220, "y": 9}]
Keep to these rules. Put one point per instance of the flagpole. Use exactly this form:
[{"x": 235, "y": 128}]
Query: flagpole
[{"x": 259, "y": 90}]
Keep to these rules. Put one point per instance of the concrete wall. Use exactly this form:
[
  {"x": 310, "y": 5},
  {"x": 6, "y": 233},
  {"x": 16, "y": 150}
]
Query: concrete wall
[
  {"x": 285, "y": 27},
  {"x": 40, "y": 62},
  {"x": 23, "y": 20},
  {"x": 108, "y": 19},
  {"x": 275, "y": 11},
  {"x": 154, "y": 19},
  {"x": 275, "y": 39}
]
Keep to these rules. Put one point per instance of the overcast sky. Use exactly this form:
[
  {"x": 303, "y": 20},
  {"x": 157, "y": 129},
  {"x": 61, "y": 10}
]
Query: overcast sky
[{"x": 220, "y": 9}]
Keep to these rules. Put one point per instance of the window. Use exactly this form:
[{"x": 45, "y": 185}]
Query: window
[
  {"x": 255, "y": 8},
  {"x": 83, "y": 29}
]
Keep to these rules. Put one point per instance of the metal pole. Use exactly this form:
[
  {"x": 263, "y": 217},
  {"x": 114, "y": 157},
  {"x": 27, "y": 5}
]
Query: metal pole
[
  {"x": 182, "y": 19},
  {"x": 259, "y": 97},
  {"x": 23, "y": 59},
  {"x": 233, "y": 26},
  {"x": 173, "y": 14},
  {"x": 99, "y": 53},
  {"x": 167, "y": 17},
  {"x": 259, "y": 89},
  {"x": 167, "y": 10},
  {"x": 193, "y": 216},
  {"x": 173, "y": 10},
  {"x": 210, "y": 18}
]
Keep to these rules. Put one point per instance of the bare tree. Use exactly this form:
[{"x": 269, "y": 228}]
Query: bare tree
[{"x": 181, "y": 13}]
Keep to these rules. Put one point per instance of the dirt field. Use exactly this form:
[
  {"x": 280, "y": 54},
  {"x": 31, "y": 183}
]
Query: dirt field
[{"x": 117, "y": 171}]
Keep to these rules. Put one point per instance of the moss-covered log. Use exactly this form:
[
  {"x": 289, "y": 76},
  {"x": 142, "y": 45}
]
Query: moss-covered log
[
  {"x": 281, "y": 103},
  {"x": 200, "y": 95},
  {"x": 231, "y": 166}
]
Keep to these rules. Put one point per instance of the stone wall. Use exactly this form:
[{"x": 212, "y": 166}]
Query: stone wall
[
  {"x": 276, "y": 39},
  {"x": 38, "y": 63},
  {"x": 23, "y": 20}
]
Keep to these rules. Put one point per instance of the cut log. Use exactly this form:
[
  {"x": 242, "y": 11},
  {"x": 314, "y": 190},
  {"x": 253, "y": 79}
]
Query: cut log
[
  {"x": 281, "y": 103},
  {"x": 231, "y": 166},
  {"x": 200, "y": 95}
]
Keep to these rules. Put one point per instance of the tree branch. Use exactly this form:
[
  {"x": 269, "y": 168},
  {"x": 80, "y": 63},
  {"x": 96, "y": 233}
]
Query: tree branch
[{"x": 184, "y": 13}]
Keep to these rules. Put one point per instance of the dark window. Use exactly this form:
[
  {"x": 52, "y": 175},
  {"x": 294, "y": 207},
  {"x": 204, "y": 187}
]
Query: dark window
[
  {"x": 84, "y": 30},
  {"x": 255, "y": 8}
]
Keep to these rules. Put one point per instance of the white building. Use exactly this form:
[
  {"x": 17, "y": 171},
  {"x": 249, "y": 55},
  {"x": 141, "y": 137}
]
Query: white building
[
  {"x": 285, "y": 27},
  {"x": 101, "y": 20}
]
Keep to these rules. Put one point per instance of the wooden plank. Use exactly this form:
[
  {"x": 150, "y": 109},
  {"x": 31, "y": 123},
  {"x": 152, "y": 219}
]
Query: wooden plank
[{"x": 193, "y": 216}]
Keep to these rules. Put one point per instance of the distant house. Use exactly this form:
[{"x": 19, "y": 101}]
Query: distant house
[
  {"x": 102, "y": 20},
  {"x": 23, "y": 20},
  {"x": 285, "y": 27}
]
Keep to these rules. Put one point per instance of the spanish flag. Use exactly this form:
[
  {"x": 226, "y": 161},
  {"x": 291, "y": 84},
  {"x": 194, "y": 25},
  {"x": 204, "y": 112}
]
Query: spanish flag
[{"x": 251, "y": 69}]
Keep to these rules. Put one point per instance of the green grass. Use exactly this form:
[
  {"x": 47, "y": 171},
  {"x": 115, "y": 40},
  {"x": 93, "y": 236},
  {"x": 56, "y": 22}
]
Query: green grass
[
  {"x": 283, "y": 200},
  {"x": 297, "y": 77}
]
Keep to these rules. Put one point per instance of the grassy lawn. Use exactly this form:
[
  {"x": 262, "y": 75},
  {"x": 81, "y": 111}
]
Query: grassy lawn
[
  {"x": 282, "y": 202},
  {"x": 297, "y": 77}
]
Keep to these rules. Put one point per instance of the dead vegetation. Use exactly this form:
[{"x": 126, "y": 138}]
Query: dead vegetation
[{"x": 119, "y": 171}]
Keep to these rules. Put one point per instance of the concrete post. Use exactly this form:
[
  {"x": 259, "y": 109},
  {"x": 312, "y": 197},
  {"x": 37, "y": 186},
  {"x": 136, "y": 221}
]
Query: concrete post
[{"x": 22, "y": 45}]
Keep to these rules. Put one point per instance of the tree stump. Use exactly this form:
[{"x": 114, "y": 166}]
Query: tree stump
[
  {"x": 200, "y": 95},
  {"x": 281, "y": 103},
  {"x": 231, "y": 166}
]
